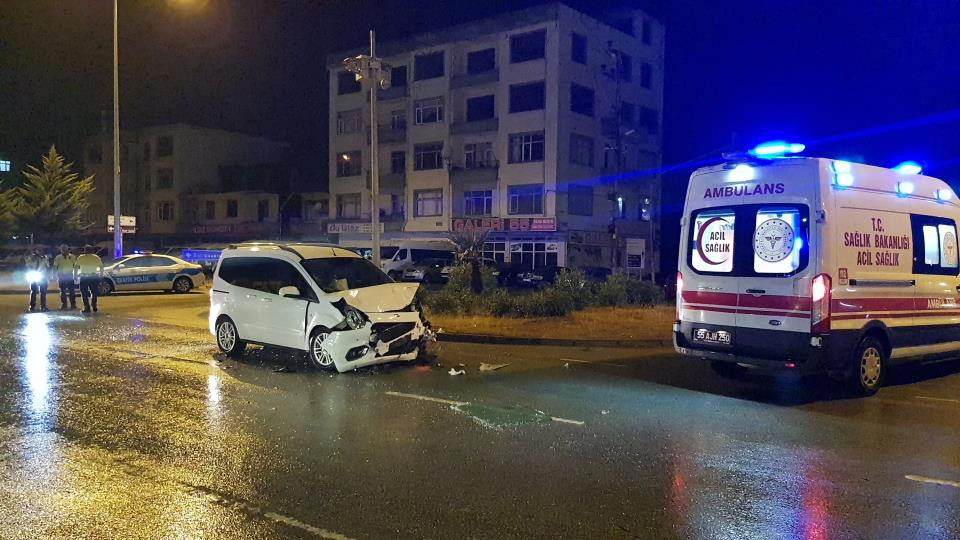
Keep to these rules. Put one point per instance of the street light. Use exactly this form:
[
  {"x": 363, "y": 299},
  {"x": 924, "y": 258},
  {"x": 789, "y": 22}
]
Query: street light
[{"x": 372, "y": 72}]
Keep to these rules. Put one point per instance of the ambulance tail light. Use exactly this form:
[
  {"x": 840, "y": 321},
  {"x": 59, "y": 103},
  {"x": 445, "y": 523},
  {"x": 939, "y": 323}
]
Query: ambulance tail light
[
  {"x": 679, "y": 293},
  {"x": 820, "y": 304}
]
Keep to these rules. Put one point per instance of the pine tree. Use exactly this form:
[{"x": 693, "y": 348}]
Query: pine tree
[{"x": 52, "y": 201}]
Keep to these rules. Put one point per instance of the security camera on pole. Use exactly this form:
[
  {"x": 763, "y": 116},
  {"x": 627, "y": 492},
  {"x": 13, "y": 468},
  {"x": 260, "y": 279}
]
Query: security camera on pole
[{"x": 372, "y": 72}]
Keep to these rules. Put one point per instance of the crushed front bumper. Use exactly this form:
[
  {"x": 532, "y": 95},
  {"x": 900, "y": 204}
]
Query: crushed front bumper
[{"x": 388, "y": 337}]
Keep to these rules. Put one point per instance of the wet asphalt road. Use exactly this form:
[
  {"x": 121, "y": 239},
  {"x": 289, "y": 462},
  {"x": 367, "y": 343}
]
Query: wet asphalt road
[{"x": 128, "y": 425}]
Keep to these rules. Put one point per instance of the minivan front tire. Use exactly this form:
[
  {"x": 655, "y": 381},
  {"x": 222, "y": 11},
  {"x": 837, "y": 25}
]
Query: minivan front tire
[
  {"x": 320, "y": 358},
  {"x": 869, "y": 367},
  {"x": 228, "y": 339}
]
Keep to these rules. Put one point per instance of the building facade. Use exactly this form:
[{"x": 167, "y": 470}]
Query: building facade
[
  {"x": 189, "y": 183},
  {"x": 539, "y": 129}
]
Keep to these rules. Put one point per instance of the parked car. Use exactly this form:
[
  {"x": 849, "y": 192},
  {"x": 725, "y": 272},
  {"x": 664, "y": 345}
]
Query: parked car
[
  {"x": 328, "y": 301},
  {"x": 410, "y": 253},
  {"x": 147, "y": 271},
  {"x": 428, "y": 271}
]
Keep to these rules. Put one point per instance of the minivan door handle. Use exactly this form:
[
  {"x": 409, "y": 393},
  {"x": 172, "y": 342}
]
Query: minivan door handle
[{"x": 756, "y": 291}]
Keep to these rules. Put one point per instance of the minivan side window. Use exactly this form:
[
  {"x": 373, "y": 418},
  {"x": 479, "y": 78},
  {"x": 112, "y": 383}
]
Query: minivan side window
[
  {"x": 400, "y": 255},
  {"x": 934, "y": 246},
  {"x": 711, "y": 248},
  {"x": 263, "y": 274},
  {"x": 420, "y": 254}
]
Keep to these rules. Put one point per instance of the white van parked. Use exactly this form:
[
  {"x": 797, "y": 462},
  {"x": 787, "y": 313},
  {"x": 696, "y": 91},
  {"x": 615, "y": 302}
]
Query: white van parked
[
  {"x": 325, "y": 300},
  {"x": 811, "y": 264},
  {"x": 412, "y": 252}
]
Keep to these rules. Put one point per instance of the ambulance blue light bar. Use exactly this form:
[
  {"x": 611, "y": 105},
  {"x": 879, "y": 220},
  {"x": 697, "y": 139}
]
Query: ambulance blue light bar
[
  {"x": 841, "y": 173},
  {"x": 775, "y": 149},
  {"x": 944, "y": 194},
  {"x": 908, "y": 167},
  {"x": 905, "y": 188}
]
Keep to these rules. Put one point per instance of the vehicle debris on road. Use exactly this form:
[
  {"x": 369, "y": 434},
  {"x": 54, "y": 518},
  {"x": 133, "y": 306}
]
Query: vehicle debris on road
[{"x": 491, "y": 367}]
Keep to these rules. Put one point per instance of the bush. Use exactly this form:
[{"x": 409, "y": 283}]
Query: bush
[
  {"x": 623, "y": 290},
  {"x": 448, "y": 300},
  {"x": 546, "y": 303},
  {"x": 574, "y": 285},
  {"x": 460, "y": 277}
]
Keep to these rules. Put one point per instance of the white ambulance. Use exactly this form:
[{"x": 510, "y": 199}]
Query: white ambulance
[{"x": 817, "y": 265}]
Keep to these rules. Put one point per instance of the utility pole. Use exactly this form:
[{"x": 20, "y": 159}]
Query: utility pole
[
  {"x": 117, "y": 230},
  {"x": 371, "y": 71}
]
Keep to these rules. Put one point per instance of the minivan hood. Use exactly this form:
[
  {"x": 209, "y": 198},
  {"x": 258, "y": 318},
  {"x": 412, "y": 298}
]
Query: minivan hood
[{"x": 380, "y": 298}]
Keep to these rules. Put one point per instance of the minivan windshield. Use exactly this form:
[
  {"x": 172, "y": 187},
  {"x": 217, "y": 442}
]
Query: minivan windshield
[{"x": 335, "y": 274}]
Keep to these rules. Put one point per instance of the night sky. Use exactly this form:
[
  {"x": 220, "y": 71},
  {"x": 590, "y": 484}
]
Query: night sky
[{"x": 877, "y": 81}]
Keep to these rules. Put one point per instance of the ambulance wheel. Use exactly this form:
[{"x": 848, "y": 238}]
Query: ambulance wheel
[
  {"x": 320, "y": 358},
  {"x": 869, "y": 367},
  {"x": 182, "y": 285},
  {"x": 228, "y": 340},
  {"x": 104, "y": 287},
  {"x": 728, "y": 369}
]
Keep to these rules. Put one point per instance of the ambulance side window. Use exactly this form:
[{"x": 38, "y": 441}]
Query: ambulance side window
[
  {"x": 711, "y": 241},
  {"x": 935, "y": 246}
]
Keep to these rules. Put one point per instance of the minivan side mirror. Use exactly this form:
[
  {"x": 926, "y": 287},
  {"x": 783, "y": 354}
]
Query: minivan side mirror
[{"x": 289, "y": 290}]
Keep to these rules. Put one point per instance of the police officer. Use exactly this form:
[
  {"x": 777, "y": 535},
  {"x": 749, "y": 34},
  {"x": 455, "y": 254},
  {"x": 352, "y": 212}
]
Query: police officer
[
  {"x": 38, "y": 268},
  {"x": 90, "y": 268},
  {"x": 66, "y": 265}
]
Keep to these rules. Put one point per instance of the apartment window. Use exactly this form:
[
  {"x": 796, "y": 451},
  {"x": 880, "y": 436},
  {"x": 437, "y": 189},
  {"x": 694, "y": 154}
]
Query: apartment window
[
  {"x": 481, "y": 61},
  {"x": 477, "y": 155},
  {"x": 526, "y": 147},
  {"x": 95, "y": 154},
  {"x": 396, "y": 205},
  {"x": 398, "y": 162},
  {"x": 146, "y": 151},
  {"x": 4, "y": 165},
  {"x": 427, "y": 156},
  {"x": 165, "y": 211},
  {"x": 428, "y": 202},
  {"x": 398, "y": 120},
  {"x": 164, "y": 178},
  {"x": 529, "y": 46},
  {"x": 628, "y": 113},
  {"x": 347, "y": 83},
  {"x": 581, "y": 99},
  {"x": 526, "y": 199},
  {"x": 480, "y": 108},
  {"x": 578, "y": 48},
  {"x": 263, "y": 211},
  {"x": 626, "y": 67},
  {"x": 495, "y": 250},
  {"x": 398, "y": 76},
  {"x": 646, "y": 75},
  {"x": 478, "y": 203},
  {"x": 210, "y": 210},
  {"x": 580, "y": 200},
  {"x": 233, "y": 208},
  {"x": 314, "y": 210},
  {"x": 649, "y": 120},
  {"x": 349, "y": 122},
  {"x": 348, "y": 164},
  {"x": 646, "y": 32},
  {"x": 164, "y": 146},
  {"x": 581, "y": 150},
  {"x": 428, "y": 111},
  {"x": 428, "y": 66},
  {"x": 348, "y": 206},
  {"x": 527, "y": 97}
]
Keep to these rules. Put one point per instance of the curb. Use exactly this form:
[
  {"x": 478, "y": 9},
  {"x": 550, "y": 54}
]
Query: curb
[{"x": 503, "y": 340}]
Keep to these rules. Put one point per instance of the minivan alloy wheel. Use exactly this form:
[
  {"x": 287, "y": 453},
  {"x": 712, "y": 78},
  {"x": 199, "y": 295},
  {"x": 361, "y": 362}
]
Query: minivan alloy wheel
[
  {"x": 318, "y": 355},
  {"x": 226, "y": 335}
]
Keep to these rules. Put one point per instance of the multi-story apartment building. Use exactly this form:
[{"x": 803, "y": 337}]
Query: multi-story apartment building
[
  {"x": 190, "y": 183},
  {"x": 540, "y": 128}
]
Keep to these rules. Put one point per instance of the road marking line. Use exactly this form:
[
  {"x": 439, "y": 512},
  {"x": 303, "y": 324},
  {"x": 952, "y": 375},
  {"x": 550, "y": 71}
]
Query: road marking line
[
  {"x": 936, "y": 481},
  {"x": 947, "y": 400},
  {"x": 460, "y": 403},
  {"x": 294, "y": 522},
  {"x": 567, "y": 420},
  {"x": 589, "y": 362},
  {"x": 428, "y": 398}
]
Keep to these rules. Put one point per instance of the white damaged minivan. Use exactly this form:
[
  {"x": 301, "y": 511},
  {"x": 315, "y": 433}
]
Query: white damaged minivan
[
  {"x": 818, "y": 265},
  {"x": 325, "y": 300}
]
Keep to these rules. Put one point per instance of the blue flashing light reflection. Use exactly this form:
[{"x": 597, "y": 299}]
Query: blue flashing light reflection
[
  {"x": 844, "y": 179},
  {"x": 797, "y": 243},
  {"x": 905, "y": 188},
  {"x": 774, "y": 149},
  {"x": 741, "y": 173},
  {"x": 908, "y": 167},
  {"x": 841, "y": 166},
  {"x": 944, "y": 194}
]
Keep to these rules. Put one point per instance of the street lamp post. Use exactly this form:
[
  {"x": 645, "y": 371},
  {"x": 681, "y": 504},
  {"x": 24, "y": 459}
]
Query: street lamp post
[
  {"x": 117, "y": 230},
  {"x": 370, "y": 71}
]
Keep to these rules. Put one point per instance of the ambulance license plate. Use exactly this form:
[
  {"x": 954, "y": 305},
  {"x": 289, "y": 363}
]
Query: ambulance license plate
[{"x": 713, "y": 337}]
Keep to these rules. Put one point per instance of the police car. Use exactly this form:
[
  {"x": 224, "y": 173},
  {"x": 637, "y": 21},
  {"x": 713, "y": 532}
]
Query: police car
[{"x": 147, "y": 271}]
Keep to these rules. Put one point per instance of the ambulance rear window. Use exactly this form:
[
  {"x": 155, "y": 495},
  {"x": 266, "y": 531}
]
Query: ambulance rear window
[
  {"x": 777, "y": 240},
  {"x": 713, "y": 241}
]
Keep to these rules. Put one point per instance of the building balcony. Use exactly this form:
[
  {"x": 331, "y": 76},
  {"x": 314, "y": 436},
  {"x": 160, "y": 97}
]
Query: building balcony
[
  {"x": 394, "y": 92},
  {"x": 474, "y": 79},
  {"x": 388, "y": 134},
  {"x": 475, "y": 126},
  {"x": 389, "y": 181},
  {"x": 479, "y": 172}
]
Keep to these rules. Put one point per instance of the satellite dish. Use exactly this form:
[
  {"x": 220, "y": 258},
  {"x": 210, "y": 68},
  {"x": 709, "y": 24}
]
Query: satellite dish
[{"x": 384, "y": 79}]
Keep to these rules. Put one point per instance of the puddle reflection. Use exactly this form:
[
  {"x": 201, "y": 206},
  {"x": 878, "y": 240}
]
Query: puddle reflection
[{"x": 37, "y": 369}]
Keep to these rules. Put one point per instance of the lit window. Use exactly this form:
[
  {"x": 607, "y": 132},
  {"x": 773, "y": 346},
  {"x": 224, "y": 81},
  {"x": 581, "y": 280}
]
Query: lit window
[
  {"x": 428, "y": 202},
  {"x": 165, "y": 211},
  {"x": 348, "y": 164},
  {"x": 526, "y": 147},
  {"x": 348, "y": 205},
  {"x": 4, "y": 166}
]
